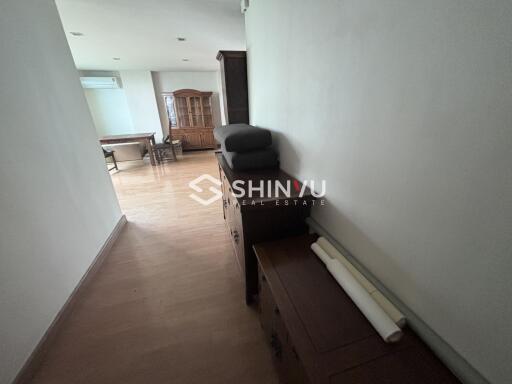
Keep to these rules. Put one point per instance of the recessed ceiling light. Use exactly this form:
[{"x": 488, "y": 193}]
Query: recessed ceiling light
[
  {"x": 116, "y": 58},
  {"x": 181, "y": 38},
  {"x": 76, "y": 33},
  {"x": 184, "y": 60}
]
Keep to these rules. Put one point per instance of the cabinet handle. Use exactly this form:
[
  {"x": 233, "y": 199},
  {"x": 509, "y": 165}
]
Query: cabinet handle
[
  {"x": 276, "y": 311},
  {"x": 236, "y": 236}
]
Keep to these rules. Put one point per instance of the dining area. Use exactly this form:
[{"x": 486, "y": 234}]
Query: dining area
[
  {"x": 187, "y": 117},
  {"x": 136, "y": 146}
]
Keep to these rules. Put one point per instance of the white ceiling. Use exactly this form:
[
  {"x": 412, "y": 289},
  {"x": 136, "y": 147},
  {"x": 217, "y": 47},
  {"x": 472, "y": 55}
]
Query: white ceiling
[{"x": 142, "y": 33}]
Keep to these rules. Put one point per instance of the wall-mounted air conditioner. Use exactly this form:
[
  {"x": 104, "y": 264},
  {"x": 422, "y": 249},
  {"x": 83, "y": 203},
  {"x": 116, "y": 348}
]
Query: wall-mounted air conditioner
[{"x": 100, "y": 82}]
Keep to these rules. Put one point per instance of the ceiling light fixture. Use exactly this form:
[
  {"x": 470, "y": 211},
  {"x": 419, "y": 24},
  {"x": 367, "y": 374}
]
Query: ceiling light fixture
[
  {"x": 181, "y": 38},
  {"x": 76, "y": 33},
  {"x": 116, "y": 58},
  {"x": 184, "y": 59}
]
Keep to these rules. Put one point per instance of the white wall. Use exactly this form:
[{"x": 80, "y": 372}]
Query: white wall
[
  {"x": 57, "y": 203},
  {"x": 202, "y": 81},
  {"x": 129, "y": 109},
  {"x": 109, "y": 110},
  {"x": 404, "y": 107},
  {"x": 140, "y": 95}
]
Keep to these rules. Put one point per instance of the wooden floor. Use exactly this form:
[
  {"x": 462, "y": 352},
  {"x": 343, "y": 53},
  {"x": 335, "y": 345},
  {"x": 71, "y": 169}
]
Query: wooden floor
[{"x": 167, "y": 306}]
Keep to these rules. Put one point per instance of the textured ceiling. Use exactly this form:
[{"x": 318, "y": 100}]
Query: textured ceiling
[{"x": 142, "y": 33}]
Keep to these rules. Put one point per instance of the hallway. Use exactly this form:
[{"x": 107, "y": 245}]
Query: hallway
[{"x": 167, "y": 305}]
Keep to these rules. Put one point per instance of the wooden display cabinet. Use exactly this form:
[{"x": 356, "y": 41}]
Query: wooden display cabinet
[{"x": 190, "y": 118}]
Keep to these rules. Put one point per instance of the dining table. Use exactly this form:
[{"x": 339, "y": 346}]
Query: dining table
[{"x": 148, "y": 138}]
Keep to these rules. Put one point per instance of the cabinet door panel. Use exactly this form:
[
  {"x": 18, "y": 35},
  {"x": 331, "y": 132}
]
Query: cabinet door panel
[
  {"x": 207, "y": 139},
  {"x": 280, "y": 351},
  {"x": 238, "y": 233},
  {"x": 193, "y": 140},
  {"x": 196, "y": 111},
  {"x": 266, "y": 306},
  {"x": 207, "y": 111},
  {"x": 178, "y": 136},
  {"x": 182, "y": 111}
]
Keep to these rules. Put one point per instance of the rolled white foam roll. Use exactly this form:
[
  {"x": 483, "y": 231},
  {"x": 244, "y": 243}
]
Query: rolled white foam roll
[
  {"x": 335, "y": 254},
  {"x": 379, "y": 319},
  {"x": 322, "y": 255},
  {"x": 392, "y": 311},
  {"x": 388, "y": 307}
]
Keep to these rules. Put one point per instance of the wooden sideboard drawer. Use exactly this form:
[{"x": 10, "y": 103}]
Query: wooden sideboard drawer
[
  {"x": 266, "y": 306},
  {"x": 233, "y": 218},
  {"x": 284, "y": 356},
  {"x": 237, "y": 239}
]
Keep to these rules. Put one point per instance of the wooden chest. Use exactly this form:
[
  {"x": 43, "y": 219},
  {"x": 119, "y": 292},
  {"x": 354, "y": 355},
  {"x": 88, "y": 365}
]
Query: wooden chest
[{"x": 319, "y": 336}]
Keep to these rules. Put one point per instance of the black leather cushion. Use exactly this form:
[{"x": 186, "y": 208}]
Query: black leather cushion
[
  {"x": 257, "y": 159},
  {"x": 242, "y": 137}
]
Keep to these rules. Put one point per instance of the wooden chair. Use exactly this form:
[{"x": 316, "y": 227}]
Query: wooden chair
[
  {"x": 161, "y": 150},
  {"x": 110, "y": 153}
]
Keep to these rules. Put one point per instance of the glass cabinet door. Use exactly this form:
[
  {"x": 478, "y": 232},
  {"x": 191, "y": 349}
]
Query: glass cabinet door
[
  {"x": 171, "y": 113},
  {"x": 195, "y": 111},
  {"x": 192, "y": 109},
  {"x": 182, "y": 110},
  {"x": 207, "y": 111}
]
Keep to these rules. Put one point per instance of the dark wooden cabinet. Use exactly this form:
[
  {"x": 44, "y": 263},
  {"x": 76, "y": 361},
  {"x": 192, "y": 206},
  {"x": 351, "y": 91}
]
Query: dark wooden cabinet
[
  {"x": 284, "y": 355},
  {"x": 190, "y": 118},
  {"x": 233, "y": 71},
  {"x": 318, "y": 335},
  {"x": 252, "y": 220}
]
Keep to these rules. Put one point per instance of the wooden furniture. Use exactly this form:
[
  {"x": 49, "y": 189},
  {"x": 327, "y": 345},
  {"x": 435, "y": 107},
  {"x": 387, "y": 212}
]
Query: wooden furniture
[
  {"x": 147, "y": 138},
  {"x": 165, "y": 150},
  {"x": 319, "y": 336},
  {"x": 190, "y": 118},
  {"x": 108, "y": 154},
  {"x": 233, "y": 70},
  {"x": 257, "y": 219}
]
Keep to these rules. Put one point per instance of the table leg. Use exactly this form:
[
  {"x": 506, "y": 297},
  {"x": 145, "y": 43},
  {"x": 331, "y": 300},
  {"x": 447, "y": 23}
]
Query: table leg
[{"x": 150, "y": 143}]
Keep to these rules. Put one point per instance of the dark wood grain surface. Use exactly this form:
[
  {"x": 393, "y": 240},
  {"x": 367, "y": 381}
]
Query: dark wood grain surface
[
  {"x": 334, "y": 342},
  {"x": 233, "y": 71}
]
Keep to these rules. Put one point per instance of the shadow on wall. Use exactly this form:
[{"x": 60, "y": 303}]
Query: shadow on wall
[
  {"x": 281, "y": 144},
  {"x": 339, "y": 223}
]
